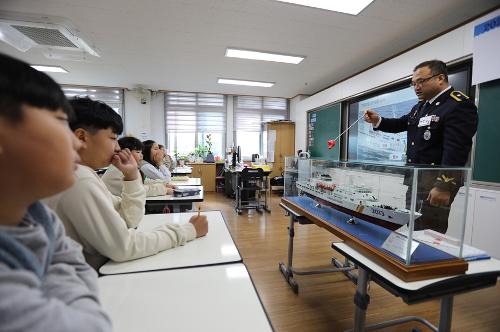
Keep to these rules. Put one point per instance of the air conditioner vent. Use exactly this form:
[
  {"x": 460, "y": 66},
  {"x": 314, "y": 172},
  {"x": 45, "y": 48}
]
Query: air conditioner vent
[{"x": 45, "y": 36}]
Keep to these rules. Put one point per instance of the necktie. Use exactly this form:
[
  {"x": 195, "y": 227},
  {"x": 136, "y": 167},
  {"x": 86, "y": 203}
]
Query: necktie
[
  {"x": 426, "y": 108},
  {"x": 423, "y": 109}
]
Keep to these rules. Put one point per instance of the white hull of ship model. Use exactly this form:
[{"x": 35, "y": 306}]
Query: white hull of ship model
[{"x": 371, "y": 208}]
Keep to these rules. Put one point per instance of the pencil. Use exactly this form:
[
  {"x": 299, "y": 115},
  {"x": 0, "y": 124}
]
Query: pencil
[{"x": 199, "y": 210}]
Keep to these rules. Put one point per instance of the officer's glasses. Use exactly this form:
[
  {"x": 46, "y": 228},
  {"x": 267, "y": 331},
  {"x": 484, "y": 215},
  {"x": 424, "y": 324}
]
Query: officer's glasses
[{"x": 421, "y": 81}]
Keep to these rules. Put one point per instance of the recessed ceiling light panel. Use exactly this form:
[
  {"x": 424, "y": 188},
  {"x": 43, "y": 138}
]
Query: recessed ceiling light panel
[
  {"x": 264, "y": 56},
  {"x": 50, "y": 69},
  {"x": 244, "y": 82},
  {"x": 353, "y": 7}
]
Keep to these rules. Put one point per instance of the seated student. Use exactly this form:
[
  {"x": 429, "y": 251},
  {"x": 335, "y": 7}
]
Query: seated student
[
  {"x": 45, "y": 283},
  {"x": 152, "y": 164},
  {"x": 167, "y": 159},
  {"x": 113, "y": 178},
  {"x": 96, "y": 218}
]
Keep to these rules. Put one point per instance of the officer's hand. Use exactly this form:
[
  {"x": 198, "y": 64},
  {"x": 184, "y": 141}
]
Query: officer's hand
[
  {"x": 439, "y": 197},
  {"x": 371, "y": 116}
]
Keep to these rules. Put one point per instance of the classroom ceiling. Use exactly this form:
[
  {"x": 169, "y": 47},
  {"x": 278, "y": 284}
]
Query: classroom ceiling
[{"x": 179, "y": 45}]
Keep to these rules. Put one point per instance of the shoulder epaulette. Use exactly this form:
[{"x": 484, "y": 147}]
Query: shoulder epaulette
[{"x": 458, "y": 96}]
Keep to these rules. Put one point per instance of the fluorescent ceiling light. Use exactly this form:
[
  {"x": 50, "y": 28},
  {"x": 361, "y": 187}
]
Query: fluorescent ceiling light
[
  {"x": 353, "y": 7},
  {"x": 75, "y": 89},
  {"x": 50, "y": 69},
  {"x": 256, "y": 55},
  {"x": 243, "y": 82}
]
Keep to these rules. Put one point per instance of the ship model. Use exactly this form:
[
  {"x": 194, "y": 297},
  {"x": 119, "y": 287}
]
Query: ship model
[{"x": 356, "y": 200}]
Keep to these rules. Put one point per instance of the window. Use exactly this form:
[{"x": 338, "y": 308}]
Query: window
[
  {"x": 249, "y": 114},
  {"x": 190, "y": 117},
  {"x": 113, "y": 97}
]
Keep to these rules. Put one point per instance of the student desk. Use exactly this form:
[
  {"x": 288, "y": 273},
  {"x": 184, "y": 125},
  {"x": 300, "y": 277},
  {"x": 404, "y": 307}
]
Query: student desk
[
  {"x": 176, "y": 202},
  {"x": 481, "y": 274},
  {"x": 212, "y": 298},
  {"x": 188, "y": 182},
  {"x": 217, "y": 247}
]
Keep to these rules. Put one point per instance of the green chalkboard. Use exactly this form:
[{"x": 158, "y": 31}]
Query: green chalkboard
[
  {"x": 487, "y": 151},
  {"x": 322, "y": 125}
]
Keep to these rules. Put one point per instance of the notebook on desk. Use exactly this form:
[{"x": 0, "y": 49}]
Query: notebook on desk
[{"x": 186, "y": 191}]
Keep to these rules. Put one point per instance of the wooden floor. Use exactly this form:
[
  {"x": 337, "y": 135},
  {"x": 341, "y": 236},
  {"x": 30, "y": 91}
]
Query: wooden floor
[{"x": 325, "y": 302}]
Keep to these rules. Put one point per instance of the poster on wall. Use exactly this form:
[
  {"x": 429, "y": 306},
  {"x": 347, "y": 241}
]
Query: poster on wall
[{"x": 486, "y": 56}]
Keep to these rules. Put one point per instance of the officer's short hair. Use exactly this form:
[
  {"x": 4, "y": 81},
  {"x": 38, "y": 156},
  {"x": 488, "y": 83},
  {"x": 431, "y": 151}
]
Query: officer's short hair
[{"x": 436, "y": 67}]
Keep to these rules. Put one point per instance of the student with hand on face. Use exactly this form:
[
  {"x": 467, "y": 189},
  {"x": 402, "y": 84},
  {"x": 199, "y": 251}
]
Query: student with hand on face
[
  {"x": 152, "y": 164},
  {"x": 46, "y": 285},
  {"x": 168, "y": 161},
  {"x": 101, "y": 222},
  {"x": 113, "y": 178}
]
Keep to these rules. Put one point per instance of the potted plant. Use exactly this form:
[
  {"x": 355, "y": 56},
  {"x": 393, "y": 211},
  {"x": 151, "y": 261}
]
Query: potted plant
[
  {"x": 210, "y": 157},
  {"x": 200, "y": 152},
  {"x": 181, "y": 159}
]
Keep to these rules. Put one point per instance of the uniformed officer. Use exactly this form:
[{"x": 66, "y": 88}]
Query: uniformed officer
[{"x": 439, "y": 129}]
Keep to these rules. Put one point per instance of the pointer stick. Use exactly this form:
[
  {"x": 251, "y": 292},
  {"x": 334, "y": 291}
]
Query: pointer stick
[{"x": 331, "y": 143}]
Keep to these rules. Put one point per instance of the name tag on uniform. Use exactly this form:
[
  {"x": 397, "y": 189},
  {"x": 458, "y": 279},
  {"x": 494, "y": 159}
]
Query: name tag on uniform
[{"x": 425, "y": 121}]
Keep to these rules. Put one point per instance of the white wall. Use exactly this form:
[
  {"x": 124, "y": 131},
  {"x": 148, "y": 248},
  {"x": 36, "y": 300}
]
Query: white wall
[
  {"x": 158, "y": 118},
  {"x": 451, "y": 46},
  {"x": 137, "y": 115},
  {"x": 229, "y": 121},
  {"x": 299, "y": 118}
]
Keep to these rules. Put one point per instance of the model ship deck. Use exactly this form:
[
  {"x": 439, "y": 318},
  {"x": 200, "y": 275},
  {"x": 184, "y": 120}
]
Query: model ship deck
[
  {"x": 359, "y": 200},
  {"x": 425, "y": 262}
]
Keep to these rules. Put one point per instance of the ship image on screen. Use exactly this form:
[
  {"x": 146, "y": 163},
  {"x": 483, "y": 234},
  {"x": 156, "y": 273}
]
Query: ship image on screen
[{"x": 372, "y": 145}]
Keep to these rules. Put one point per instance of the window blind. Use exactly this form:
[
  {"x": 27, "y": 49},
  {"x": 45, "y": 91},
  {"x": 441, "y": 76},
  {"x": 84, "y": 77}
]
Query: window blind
[
  {"x": 113, "y": 97},
  {"x": 187, "y": 112},
  {"x": 251, "y": 111}
]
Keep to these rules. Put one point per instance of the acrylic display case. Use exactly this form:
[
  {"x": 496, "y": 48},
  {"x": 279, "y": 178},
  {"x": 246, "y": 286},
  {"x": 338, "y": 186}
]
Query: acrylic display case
[{"x": 403, "y": 217}]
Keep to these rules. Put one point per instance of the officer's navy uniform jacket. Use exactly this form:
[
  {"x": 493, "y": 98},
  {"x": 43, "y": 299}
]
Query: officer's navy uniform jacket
[{"x": 445, "y": 141}]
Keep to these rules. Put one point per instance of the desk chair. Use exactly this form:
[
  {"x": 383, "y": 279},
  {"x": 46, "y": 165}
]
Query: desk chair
[{"x": 252, "y": 185}]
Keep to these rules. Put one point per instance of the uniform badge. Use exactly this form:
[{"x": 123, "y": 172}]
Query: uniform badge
[{"x": 427, "y": 135}]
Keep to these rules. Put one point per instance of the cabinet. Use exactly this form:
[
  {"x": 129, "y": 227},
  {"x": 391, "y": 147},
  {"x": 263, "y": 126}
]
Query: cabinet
[
  {"x": 206, "y": 172},
  {"x": 283, "y": 135}
]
